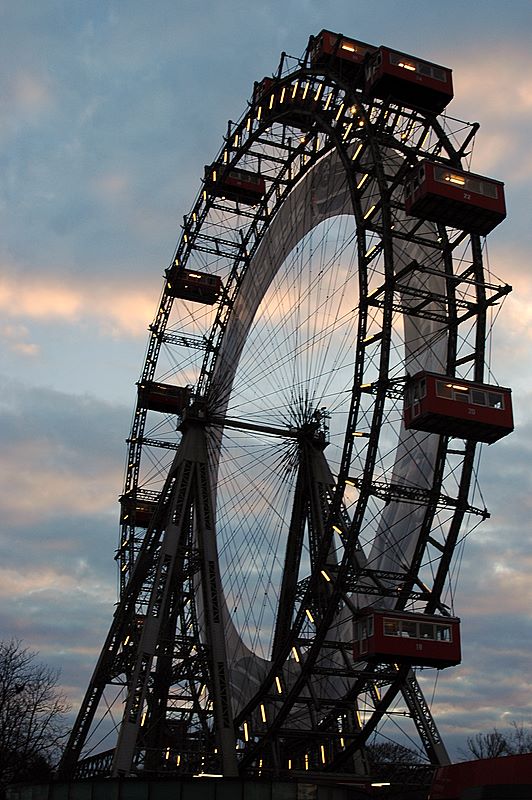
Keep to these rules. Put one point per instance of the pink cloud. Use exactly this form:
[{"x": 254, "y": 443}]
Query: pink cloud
[
  {"x": 30, "y": 93},
  {"x": 114, "y": 307},
  {"x": 497, "y": 91},
  {"x": 489, "y": 80},
  {"x": 15, "y": 339},
  {"x": 27, "y": 496},
  {"x": 111, "y": 185}
]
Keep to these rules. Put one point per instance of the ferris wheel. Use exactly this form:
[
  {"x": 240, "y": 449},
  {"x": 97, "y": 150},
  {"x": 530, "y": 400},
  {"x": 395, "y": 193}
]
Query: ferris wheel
[{"x": 302, "y": 449}]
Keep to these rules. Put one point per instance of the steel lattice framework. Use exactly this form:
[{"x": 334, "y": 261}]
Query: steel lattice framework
[{"x": 291, "y": 496}]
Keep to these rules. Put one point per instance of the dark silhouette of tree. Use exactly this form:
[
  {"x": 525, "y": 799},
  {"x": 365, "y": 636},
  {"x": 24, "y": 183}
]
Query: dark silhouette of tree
[
  {"x": 407, "y": 770},
  {"x": 393, "y": 753},
  {"x": 32, "y": 716},
  {"x": 499, "y": 743}
]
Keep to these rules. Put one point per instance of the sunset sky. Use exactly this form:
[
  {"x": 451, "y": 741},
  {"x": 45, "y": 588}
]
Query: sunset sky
[{"x": 109, "y": 111}]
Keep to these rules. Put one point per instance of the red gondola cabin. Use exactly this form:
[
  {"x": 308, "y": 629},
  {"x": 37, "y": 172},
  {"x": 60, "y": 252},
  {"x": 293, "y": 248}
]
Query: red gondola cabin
[
  {"x": 345, "y": 55},
  {"x": 291, "y": 103},
  {"x": 163, "y": 397},
  {"x": 404, "y": 637},
  {"x": 454, "y": 197},
  {"x": 453, "y": 407},
  {"x": 191, "y": 285},
  {"x": 237, "y": 184},
  {"x": 135, "y": 511},
  {"x": 407, "y": 79}
]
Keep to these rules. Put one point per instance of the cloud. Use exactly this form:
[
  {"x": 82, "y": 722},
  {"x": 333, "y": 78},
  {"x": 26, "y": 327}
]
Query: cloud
[
  {"x": 14, "y": 338},
  {"x": 61, "y": 468},
  {"x": 30, "y": 93},
  {"x": 497, "y": 91},
  {"x": 506, "y": 82},
  {"x": 61, "y": 454},
  {"x": 115, "y": 307}
]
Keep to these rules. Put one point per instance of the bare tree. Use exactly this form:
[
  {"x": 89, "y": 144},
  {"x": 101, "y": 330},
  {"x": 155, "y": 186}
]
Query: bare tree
[
  {"x": 393, "y": 753},
  {"x": 498, "y": 743},
  {"x": 520, "y": 739},
  {"x": 32, "y": 714},
  {"x": 487, "y": 745}
]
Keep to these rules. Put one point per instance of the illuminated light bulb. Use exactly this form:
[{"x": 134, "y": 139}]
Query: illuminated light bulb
[
  {"x": 278, "y": 684},
  {"x": 296, "y": 654},
  {"x": 338, "y": 530},
  {"x": 308, "y": 612},
  {"x": 362, "y": 181},
  {"x": 349, "y": 47},
  {"x": 457, "y": 179},
  {"x": 357, "y": 152},
  {"x": 246, "y": 732},
  {"x": 370, "y": 211},
  {"x": 322, "y": 752},
  {"x": 263, "y": 712},
  {"x": 337, "y": 117},
  {"x": 325, "y": 575},
  {"x": 405, "y": 65}
]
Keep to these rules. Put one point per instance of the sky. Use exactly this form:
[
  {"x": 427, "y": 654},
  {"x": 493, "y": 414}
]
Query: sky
[{"x": 108, "y": 112}]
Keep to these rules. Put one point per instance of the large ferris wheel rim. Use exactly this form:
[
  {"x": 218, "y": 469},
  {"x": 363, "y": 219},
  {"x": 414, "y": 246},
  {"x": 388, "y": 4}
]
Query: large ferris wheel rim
[{"x": 213, "y": 349}]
